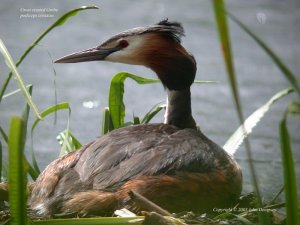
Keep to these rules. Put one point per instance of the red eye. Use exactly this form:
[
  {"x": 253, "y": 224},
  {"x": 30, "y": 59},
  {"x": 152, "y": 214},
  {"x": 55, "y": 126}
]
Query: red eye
[{"x": 123, "y": 43}]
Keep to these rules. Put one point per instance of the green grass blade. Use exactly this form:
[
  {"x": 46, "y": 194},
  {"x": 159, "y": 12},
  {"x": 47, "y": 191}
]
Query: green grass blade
[
  {"x": 222, "y": 27},
  {"x": 156, "y": 109},
  {"x": 15, "y": 92},
  {"x": 116, "y": 92},
  {"x": 290, "y": 184},
  {"x": 31, "y": 170},
  {"x": 44, "y": 114},
  {"x": 238, "y": 136},
  {"x": 4, "y": 135},
  {"x": 25, "y": 114},
  {"x": 68, "y": 142},
  {"x": 136, "y": 120},
  {"x": 1, "y": 161},
  {"x": 284, "y": 69},
  {"x": 92, "y": 221},
  {"x": 17, "y": 173},
  {"x": 67, "y": 16},
  {"x": 274, "y": 199},
  {"x": 50, "y": 110},
  {"x": 107, "y": 124},
  {"x": 12, "y": 66},
  {"x": 59, "y": 22}
]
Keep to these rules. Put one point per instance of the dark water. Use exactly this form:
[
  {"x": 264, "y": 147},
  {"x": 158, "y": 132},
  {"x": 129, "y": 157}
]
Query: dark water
[{"x": 276, "y": 22}]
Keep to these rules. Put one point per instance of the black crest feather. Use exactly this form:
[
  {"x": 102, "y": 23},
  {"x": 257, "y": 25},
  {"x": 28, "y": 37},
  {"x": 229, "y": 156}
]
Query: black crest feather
[{"x": 173, "y": 29}]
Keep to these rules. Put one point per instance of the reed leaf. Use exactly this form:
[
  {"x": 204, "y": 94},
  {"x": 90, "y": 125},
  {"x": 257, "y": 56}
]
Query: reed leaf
[
  {"x": 12, "y": 66},
  {"x": 116, "y": 93},
  {"x": 25, "y": 115},
  {"x": 156, "y": 109},
  {"x": 3, "y": 134},
  {"x": 49, "y": 111},
  {"x": 245, "y": 129},
  {"x": 289, "y": 75},
  {"x": 68, "y": 142},
  {"x": 15, "y": 92},
  {"x": 136, "y": 120},
  {"x": 17, "y": 173},
  {"x": 290, "y": 183},
  {"x": 58, "y": 22},
  {"x": 222, "y": 27},
  {"x": 107, "y": 124}
]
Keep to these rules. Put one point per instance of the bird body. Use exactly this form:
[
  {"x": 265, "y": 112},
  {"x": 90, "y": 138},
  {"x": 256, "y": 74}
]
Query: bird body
[{"x": 173, "y": 164}]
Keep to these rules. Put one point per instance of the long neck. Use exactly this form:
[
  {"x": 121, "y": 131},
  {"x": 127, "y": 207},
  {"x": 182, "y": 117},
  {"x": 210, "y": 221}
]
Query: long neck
[{"x": 179, "y": 112}]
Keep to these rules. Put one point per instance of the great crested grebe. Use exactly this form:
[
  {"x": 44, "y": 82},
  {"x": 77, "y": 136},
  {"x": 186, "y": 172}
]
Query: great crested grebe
[{"x": 172, "y": 163}]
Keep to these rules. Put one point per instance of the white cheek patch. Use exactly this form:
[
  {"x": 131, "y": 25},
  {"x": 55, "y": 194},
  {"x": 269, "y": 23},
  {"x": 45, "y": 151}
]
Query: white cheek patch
[{"x": 128, "y": 55}]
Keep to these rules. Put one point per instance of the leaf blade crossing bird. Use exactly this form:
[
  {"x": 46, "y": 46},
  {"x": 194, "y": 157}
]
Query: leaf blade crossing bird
[{"x": 173, "y": 163}]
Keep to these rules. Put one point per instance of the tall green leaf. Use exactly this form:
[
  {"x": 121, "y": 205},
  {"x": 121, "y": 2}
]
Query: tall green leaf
[
  {"x": 116, "y": 92},
  {"x": 238, "y": 136},
  {"x": 107, "y": 124},
  {"x": 222, "y": 27},
  {"x": 25, "y": 115},
  {"x": 58, "y": 22},
  {"x": 12, "y": 66},
  {"x": 17, "y": 173},
  {"x": 290, "y": 184}
]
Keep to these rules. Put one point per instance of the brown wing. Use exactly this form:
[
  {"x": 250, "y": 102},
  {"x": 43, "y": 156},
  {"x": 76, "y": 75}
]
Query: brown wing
[
  {"x": 137, "y": 151},
  {"x": 123, "y": 155},
  {"x": 48, "y": 180}
]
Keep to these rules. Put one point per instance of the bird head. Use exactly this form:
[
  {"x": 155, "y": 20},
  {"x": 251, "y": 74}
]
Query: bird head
[{"x": 157, "y": 47}]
